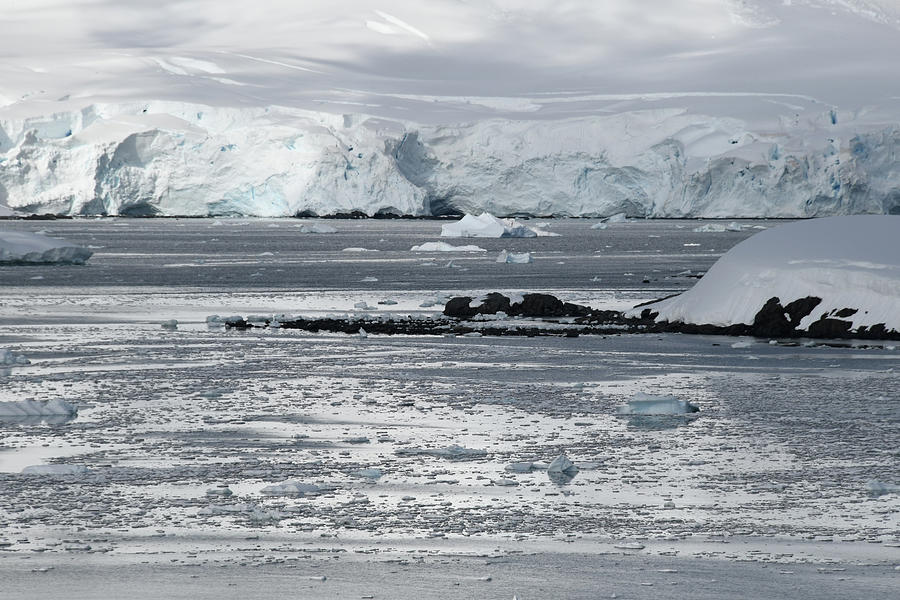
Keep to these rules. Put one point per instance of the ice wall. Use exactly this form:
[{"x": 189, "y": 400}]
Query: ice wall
[{"x": 171, "y": 158}]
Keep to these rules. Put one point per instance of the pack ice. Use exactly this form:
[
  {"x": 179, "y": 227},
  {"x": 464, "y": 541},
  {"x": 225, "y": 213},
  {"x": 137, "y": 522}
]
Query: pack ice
[
  {"x": 24, "y": 247},
  {"x": 829, "y": 274}
]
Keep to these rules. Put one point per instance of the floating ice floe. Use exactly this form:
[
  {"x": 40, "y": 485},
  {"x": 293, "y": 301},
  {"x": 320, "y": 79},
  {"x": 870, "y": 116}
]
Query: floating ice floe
[
  {"x": 367, "y": 473},
  {"x": 55, "y": 470},
  {"x": 487, "y": 225},
  {"x": 520, "y": 467},
  {"x": 32, "y": 248},
  {"x": 645, "y": 404},
  {"x": 880, "y": 488},
  {"x": 445, "y": 247},
  {"x": 517, "y": 258},
  {"x": 562, "y": 464},
  {"x": 171, "y": 324},
  {"x": 37, "y": 408},
  {"x": 315, "y": 228},
  {"x": 8, "y": 358},
  {"x": 617, "y": 218},
  {"x": 600, "y": 225}
]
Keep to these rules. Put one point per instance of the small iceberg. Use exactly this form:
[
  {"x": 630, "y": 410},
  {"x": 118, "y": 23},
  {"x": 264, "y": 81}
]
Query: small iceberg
[
  {"x": 514, "y": 258},
  {"x": 488, "y": 226},
  {"x": 445, "y": 247},
  {"x": 20, "y": 247},
  {"x": 645, "y": 404},
  {"x": 291, "y": 488}
]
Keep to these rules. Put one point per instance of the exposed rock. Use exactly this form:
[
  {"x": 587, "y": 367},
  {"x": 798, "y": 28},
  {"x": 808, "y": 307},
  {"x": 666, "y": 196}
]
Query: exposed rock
[{"x": 771, "y": 321}]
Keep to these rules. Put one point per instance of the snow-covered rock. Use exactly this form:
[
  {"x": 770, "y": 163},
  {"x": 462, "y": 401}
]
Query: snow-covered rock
[
  {"x": 33, "y": 248},
  {"x": 835, "y": 271},
  {"x": 645, "y": 404},
  {"x": 445, "y": 247}
]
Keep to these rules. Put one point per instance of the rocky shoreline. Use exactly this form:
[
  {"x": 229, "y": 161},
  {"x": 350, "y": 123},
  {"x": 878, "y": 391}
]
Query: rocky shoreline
[{"x": 533, "y": 315}]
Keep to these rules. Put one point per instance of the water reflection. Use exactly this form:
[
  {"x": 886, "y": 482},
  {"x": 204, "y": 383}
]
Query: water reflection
[{"x": 659, "y": 422}]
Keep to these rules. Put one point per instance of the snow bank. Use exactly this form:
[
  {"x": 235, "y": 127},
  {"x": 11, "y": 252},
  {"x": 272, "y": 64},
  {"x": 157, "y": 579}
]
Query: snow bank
[
  {"x": 37, "y": 408},
  {"x": 445, "y": 247},
  {"x": 645, "y": 404},
  {"x": 841, "y": 271},
  {"x": 23, "y": 247}
]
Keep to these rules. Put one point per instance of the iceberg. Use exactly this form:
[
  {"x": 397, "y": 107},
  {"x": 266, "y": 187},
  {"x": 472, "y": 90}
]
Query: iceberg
[
  {"x": 19, "y": 247},
  {"x": 827, "y": 277},
  {"x": 488, "y": 226},
  {"x": 55, "y": 470}
]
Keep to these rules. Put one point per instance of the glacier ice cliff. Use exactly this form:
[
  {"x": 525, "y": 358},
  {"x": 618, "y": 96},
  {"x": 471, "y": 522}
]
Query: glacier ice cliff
[{"x": 176, "y": 158}]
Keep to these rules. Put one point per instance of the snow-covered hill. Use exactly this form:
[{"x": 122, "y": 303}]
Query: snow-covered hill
[{"x": 696, "y": 108}]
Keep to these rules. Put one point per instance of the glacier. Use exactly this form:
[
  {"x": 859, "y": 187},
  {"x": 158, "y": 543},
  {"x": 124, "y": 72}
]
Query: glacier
[{"x": 184, "y": 159}]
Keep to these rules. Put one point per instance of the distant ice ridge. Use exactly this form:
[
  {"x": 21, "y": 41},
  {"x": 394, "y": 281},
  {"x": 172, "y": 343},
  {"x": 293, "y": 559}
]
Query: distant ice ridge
[
  {"x": 24, "y": 247},
  {"x": 177, "y": 158}
]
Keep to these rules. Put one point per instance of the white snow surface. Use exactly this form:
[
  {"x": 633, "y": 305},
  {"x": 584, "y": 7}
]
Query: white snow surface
[
  {"x": 714, "y": 108},
  {"x": 24, "y": 247},
  {"x": 849, "y": 262}
]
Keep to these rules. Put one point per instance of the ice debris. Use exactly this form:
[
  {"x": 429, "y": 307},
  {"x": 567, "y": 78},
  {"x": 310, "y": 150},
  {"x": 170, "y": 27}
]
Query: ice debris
[
  {"x": 291, "y": 488},
  {"x": 445, "y": 247},
  {"x": 315, "y": 228},
  {"x": 562, "y": 464},
  {"x": 880, "y": 488},
  {"x": 645, "y": 404}
]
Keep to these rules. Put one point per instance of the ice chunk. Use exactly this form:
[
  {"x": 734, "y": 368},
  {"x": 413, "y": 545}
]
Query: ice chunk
[
  {"x": 55, "y": 470},
  {"x": 562, "y": 464},
  {"x": 171, "y": 324},
  {"x": 291, "y": 488},
  {"x": 518, "y": 258},
  {"x": 617, "y": 218},
  {"x": 645, "y": 404},
  {"x": 445, "y": 247},
  {"x": 9, "y": 358},
  {"x": 33, "y": 248}
]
